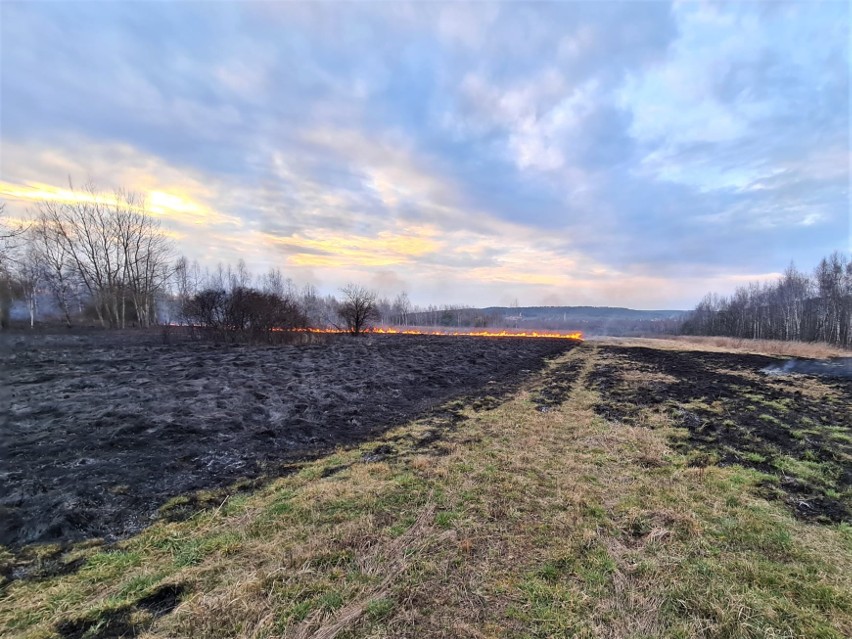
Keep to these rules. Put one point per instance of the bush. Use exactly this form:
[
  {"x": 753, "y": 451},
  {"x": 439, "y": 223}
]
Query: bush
[{"x": 242, "y": 313}]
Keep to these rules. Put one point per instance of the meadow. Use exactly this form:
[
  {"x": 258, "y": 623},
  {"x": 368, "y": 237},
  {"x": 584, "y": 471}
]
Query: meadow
[{"x": 492, "y": 488}]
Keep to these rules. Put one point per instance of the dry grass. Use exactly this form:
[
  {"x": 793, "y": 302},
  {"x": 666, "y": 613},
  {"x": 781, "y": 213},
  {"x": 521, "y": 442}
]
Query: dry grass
[
  {"x": 390, "y": 561},
  {"x": 815, "y": 350},
  {"x": 528, "y": 524},
  {"x": 632, "y": 376}
]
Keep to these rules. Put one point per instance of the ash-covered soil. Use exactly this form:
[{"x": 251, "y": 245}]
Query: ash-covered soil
[
  {"x": 101, "y": 430},
  {"x": 556, "y": 385},
  {"x": 796, "y": 428},
  {"x": 834, "y": 367}
]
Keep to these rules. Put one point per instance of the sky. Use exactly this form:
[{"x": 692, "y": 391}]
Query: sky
[{"x": 630, "y": 154}]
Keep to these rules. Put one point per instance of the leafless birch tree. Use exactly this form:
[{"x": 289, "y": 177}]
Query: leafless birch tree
[
  {"x": 795, "y": 307},
  {"x": 113, "y": 247}
]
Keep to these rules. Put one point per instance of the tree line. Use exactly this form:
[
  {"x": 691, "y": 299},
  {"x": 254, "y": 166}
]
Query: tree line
[
  {"x": 814, "y": 307},
  {"x": 107, "y": 260},
  {"x": 231, "y": 303},
  {"x": 102, "y": 259},
  {"x": 105, "y": 257}
]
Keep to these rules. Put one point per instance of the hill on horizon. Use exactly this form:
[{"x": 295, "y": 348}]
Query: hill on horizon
[
  {"x": 592, "y": 320},
  {"x": 585, "y": 312}
]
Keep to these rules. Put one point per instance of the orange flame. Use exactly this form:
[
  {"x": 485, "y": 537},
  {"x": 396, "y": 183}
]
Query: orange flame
[{"x": 473, "y": 333}]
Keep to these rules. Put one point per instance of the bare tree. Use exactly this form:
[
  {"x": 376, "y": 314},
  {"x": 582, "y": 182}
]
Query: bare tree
[
  {"x": 51, "y": 253},
  {"x": 401, "y": 309},
  {"x": 7, "y": 236},
  {"x": 187, "y": 281},
  {"x": 29, "y": 277},
  {"x": 273, "y": 281},
  {"x": 114, "y": 248},
  {"x": 792, "y": 292},
  {"x": 145, "y": 253},
  {"x": 795, "y": 307},
  {"x": 320, "y": 312},
  {"x": 384, "y": 308},
  {"x": 358, "y": 308}
]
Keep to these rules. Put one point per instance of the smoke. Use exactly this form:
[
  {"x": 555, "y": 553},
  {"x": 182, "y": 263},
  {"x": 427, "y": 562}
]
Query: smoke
[{"x": 837, "y": 367}]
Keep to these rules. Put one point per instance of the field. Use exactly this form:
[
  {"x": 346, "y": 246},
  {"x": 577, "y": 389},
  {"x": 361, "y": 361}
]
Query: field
[
  {"x": 402, "y": 486},
  {"x": 102, "y": 433}
]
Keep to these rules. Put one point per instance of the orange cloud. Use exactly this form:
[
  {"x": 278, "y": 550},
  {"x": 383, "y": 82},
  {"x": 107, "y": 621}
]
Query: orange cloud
[
  {"x": 37, "y": 192},
  {"x": 333, "y": 250},
  {"x": 175, "y": 206}
]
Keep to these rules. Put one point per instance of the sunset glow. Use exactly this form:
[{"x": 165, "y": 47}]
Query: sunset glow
[{"x": 627, "y": 154}]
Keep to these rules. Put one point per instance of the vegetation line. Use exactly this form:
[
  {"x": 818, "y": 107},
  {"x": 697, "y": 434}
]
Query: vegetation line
[{"x": 794, "y": 308}]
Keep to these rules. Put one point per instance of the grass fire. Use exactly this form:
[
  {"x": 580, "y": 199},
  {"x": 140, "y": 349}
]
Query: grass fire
[
  {"x": 578, "y": 335},
  {"x": 213, "y": 453},
  {"x": 425, "y": 320},
  {"x": 203, "y": 487}
]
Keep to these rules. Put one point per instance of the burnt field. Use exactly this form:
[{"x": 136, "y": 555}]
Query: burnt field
[
  {"x": 102, "y": 431},
  {"x": 735, "y": 408},
  {"x": 274, "y": 498}
]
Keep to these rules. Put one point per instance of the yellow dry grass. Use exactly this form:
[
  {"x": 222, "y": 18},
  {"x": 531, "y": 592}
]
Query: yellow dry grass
[{"x": 814, "y": 350}]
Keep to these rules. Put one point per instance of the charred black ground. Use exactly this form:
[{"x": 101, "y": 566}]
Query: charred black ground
[
  {"x": 797, "y": 429},
  {"x": 102, "y": 430}
]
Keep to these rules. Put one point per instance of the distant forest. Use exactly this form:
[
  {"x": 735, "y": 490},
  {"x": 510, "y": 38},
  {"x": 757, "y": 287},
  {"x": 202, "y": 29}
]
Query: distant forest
[
  {"x": 798, "y": 307},
  {"x": 592, "y": 320}
]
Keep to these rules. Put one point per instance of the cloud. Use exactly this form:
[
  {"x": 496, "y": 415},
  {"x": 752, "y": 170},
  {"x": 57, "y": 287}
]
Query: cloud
[
  {"x": 387, "y": 248},
  {"x": 588, "y": 152},
  {"x": 178, "y": 197}
]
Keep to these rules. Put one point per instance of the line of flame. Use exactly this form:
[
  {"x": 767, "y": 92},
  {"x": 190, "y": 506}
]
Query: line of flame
[{"x": 410, "y": 331}]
